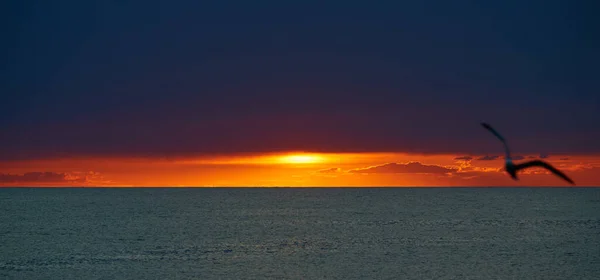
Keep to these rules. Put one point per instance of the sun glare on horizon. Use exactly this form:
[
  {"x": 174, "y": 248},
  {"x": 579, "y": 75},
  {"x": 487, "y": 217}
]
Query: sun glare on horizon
[{"x": 301, "y": 159}]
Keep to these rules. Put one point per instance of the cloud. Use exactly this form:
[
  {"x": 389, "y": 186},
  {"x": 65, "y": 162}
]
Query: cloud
[
  {"x": 544, "y": 156},
  {"x": 467, "y": 175},
  {"x": 531, "y": 157},
  {"x": 411, "y": 167},
  {"x": 464, "y": 158},
  {"x": 330, "y": 170},
  {"x": 488, "y": 158},
  {"x": 565, "y": 158},
  {"x": 53, "y": 178},
  {"x": 464, "y": 163},
  {"x": 580, "y": 166},
  {"x": 485, "y": 169},
  {"x": 36, "y": 177}
]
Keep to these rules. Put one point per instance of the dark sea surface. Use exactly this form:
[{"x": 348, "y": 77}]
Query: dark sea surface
[{"x": 256, "y": 233}]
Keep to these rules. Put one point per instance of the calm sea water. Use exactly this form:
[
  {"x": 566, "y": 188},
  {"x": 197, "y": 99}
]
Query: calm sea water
[{"x": 393, "y": 233}]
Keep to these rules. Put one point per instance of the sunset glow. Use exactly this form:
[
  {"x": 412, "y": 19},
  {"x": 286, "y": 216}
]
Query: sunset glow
[
  {"x": 301, "y": 159},
  {"x": 293, "y": 169}
]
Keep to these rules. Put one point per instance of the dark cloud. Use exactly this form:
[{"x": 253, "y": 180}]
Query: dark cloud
[
  {"x": 329, "y": 170},
  {"x": 463, "y": 158},
  {"x": 52, "y": 178},
  {"x": 411, "y": 167},
  {"x": 544, "y": 156},
  {"x": 488, "y": 158},
  {"x": 531, "y": 157},
  {"x": 34, "y": 177},
  {"x": 518, "y": 157},
  {"x": 39, "y": 177},
  {"x": 565, "y": 158}
]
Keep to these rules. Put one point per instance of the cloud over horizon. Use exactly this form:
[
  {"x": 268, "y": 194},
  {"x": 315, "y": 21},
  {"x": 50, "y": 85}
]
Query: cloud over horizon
[
  {"x": 53, "y": 178},
  {"x": 464, "y": 158},
  {"x": 330, "y": 170},
  {"x": 488, "y": 158},
  {"x": 410, "y": 167}
]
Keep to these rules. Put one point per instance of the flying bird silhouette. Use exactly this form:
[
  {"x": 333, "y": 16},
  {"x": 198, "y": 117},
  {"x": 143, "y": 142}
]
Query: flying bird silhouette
[{"x": 512, "y": 168}]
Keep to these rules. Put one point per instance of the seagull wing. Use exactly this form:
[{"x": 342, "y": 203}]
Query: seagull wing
[
  {"x": 492, "y": 130},
  {"x": 545, "y": 165}
]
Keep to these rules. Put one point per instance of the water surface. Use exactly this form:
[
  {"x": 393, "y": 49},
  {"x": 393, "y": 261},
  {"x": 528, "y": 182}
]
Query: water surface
[{"x": 345, "y": 233}]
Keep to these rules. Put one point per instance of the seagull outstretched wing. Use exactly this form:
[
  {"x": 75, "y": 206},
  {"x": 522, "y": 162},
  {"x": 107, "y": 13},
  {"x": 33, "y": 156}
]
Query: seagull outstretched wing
[
  {"x": 545, "y": 165},
  {"x": 492, "y": 130}
]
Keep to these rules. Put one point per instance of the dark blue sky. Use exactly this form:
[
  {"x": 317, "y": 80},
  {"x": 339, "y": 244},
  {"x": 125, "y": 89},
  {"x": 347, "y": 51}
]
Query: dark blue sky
[{"x": 187, "y": 77}]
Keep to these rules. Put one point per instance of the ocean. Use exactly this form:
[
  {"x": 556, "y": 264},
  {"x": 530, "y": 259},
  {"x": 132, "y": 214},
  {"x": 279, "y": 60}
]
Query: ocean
[{"x": 300, "y": 233}]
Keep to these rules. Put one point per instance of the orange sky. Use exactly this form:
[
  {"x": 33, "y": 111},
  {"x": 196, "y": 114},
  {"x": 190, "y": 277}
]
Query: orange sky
[{"x": 293, "y": 169}]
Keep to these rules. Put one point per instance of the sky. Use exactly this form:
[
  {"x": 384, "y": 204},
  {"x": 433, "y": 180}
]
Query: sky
[{"x": 296, "y": 93}]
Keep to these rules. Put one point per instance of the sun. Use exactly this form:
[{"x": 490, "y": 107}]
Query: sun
[{"x": 300, "y": 159}]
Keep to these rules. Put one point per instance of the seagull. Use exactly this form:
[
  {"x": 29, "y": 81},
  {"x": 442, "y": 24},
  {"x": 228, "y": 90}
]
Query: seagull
[{"x": 512, "y": 168}]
